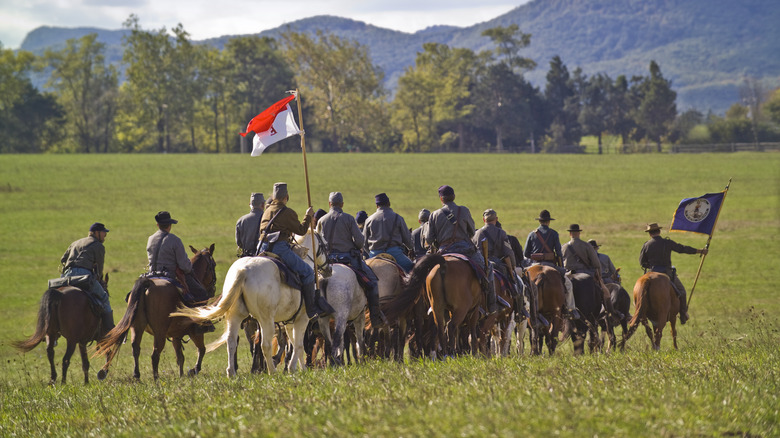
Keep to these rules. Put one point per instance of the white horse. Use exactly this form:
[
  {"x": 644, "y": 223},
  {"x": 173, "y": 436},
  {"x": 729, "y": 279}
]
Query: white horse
[
  {"x": 345, "y": 295},
  {"x": 253, "y": 286}
]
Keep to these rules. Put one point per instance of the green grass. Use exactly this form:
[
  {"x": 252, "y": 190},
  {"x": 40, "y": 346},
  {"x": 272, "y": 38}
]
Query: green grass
[{"x": 722, "y": 381}]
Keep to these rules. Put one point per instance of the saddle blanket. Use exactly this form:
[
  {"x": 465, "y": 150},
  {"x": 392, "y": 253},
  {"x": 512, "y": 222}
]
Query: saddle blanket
[
  {"x": 479, "y": 271},
  {"x": 289, "y": 277}
]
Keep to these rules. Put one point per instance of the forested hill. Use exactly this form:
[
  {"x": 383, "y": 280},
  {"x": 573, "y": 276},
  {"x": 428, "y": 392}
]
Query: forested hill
[{"x": 707, "y": 47}]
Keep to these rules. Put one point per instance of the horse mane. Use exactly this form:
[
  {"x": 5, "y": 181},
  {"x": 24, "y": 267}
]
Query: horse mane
[{"x": 413, "y": 285}]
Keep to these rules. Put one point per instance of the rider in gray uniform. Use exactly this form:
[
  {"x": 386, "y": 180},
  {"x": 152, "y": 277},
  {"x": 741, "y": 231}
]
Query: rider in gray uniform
[
  {"x": 385, "y": 232},
  {"x": 166, "y": 253},
  {"x": 248, "y": 226},
  {"x": 85, "y": 257},
  {"x": 344, "y": 242}
]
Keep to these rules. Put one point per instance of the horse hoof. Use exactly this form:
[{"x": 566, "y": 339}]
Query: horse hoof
[
  {"x": 101, "y": 375},
  {"x": 192, "y": 373}
]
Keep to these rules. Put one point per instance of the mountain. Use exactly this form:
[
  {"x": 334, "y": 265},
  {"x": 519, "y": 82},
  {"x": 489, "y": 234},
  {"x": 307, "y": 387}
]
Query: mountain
[{"x": 707, "y": 47}]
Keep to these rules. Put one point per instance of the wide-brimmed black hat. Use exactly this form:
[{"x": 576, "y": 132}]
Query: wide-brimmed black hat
[
  {"x": 544, "y": 216},
  {"x": 574, "y": 227},
  {"x": 652, "y": 227},
  {"x": 164, "y": 218},
  {"x": 97, "y": 226},
  {"x": 594, "y": 244}
]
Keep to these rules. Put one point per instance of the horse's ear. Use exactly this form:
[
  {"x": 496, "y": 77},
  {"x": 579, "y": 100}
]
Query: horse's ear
[
  {"x": 105, "y": 279},
  {"x": 194, "y": 251},
  {"x": 211, "y": 249},
  {"x": 617, "y": 270}
]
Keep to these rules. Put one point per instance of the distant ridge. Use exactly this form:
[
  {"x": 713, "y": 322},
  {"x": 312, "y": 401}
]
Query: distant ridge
[{"x": 707, "y": 47}]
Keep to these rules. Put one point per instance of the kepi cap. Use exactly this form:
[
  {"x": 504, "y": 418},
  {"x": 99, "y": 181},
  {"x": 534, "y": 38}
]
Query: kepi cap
[{"x": 97, "y": 226}]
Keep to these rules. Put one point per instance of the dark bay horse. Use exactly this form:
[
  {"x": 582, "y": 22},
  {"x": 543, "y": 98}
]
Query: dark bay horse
[
  {"x": 622, "y": 303},
  {"x": 149, "y": 306},
  {"x": 589, "y": 299},
  {"x": 550, "y": 287},
  {"x": 66, "y": 312},
  {"x": 654, "y": 300}
]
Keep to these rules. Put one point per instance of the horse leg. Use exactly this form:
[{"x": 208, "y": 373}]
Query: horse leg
[
  {"x": 267, "y": 334},
  {"x": 295, "y": 336},
  {"x": 232, "y": 327},
  {"x": 159, "y": 344},
  {"x": 359, "y": 341},
  {"x": 338, "y": 340},
  {"x": 673, "y": 323},
  {"x": 177, "y": 348},
  {"x": 650, "y": 333},
  {"x": 136, "y": 344},
  {"x": 201, "y": 346},
  {"x": 84, "y": 361},
  {"x": 71, "y": 347},
  {"x": 50, "y": 340}
]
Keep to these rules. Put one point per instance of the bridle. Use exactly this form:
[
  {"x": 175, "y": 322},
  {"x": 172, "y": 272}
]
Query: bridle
[
  {"x": 324, "y": 268},
  {"x": 211, "y": 267}
]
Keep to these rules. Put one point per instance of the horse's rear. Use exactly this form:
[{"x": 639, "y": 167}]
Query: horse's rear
[
  {"x": 589, "y": 299},
  {"x": 346, "y": 296},
  {"x": 64, "y": 312},
  {"x": 456, "y": 290},
  {"x": 389, "y": 286},
  {"x": 549, "y": 284},
  {"x": 655, "y": 301}
]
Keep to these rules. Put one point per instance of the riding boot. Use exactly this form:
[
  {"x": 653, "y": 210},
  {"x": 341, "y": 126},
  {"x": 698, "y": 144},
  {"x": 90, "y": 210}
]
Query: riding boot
[
  {"x": 311, "y": 302},
  {"x": 569, "y": 308},
  {"x": 683, "y": 306},
  {"x": 107, "y": 321},
  {"x": 378, "y": 318}
]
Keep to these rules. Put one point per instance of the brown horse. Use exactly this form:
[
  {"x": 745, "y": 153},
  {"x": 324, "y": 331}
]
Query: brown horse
[
  {"x": 550, "y": 287},
  {"x": 391, "y": 339},
  {"x": 654, "y": 300},
  {"x": 65, "y": 312},
  {"x": 455, "y": 296},
  {"x": 149, "y": 306}
]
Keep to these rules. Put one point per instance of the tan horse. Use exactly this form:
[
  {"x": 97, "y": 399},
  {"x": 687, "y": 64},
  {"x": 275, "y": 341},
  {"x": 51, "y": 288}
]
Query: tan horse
[
  {"x": 654, "y": 300},
  {"x": 65, "y": 312},
  {"x": 550, "y": 287},
  {"x": 149, "y": 306}
]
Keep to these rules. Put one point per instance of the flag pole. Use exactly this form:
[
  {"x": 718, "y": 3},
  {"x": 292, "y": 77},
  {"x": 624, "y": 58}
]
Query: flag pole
[
  {"x": 306, "y": 175},
  {"x": 707, "y": 246}
]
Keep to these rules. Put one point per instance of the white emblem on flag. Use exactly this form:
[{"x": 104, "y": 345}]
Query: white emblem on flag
[{"x": 697, "y": 210}]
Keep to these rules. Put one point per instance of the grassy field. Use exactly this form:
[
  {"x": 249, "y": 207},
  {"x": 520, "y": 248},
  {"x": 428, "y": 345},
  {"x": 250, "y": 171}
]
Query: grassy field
[{"x": 722, "y": 381}]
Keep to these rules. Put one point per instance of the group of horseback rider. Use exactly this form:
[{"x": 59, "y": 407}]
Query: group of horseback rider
[{"x": 270, "y": 226}]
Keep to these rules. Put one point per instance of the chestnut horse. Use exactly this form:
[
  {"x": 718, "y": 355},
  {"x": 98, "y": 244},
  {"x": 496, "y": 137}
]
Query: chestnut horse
[
  {"x": 149, "y": 306},
  {"x": 66, "y": 312},
  {"x": 550, "y": 287},
  {"x": 654, "y": 300},
  {"x": 455, "y": 296}
]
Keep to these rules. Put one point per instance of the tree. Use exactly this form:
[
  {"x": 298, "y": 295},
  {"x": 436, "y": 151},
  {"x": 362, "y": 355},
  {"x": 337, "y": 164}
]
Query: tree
[
  {"x": 161, "y": 91},
  {"x": 87, "y": 90},
  {"x": 342, "y": 87},
  {"x": 562, "y": 107},
  {"x": 29, "y": 120},
  {"x": 621, "y": 106},
  {"x": 772, "y": 107},
  {"x": 509, "y": 41},
  {"x": 657, "y": 106},
  {"x": 594, "y": 115}
]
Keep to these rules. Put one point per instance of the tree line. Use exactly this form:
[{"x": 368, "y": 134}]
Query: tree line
[{"x": 178, "y": 96}]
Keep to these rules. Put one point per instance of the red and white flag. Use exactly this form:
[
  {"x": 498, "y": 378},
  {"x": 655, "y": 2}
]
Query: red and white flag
[{"x": 274, "y": 124}]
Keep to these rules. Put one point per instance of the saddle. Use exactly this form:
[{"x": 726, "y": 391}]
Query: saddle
[
  {"x": 389, "y": 258},
  {"x": 289, "y": 277},
  {"x": 81, "y": 282}
]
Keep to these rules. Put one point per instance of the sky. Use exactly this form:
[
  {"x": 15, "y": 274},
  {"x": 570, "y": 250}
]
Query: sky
[{"x": 212, "y": 18}]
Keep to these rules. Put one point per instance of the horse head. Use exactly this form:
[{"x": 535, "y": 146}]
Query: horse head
[
  {"x": 318, "y": 259},
  {"x": 204, "y": 268}
]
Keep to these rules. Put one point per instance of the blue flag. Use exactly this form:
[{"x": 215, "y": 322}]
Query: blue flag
[{"x": 698, "y": 215}]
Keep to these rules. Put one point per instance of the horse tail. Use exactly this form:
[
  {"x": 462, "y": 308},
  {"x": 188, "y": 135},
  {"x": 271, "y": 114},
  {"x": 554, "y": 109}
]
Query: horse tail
[
  {"x": 51, "y": 298},
  {"x": 412, "y": 286},
  {"x": 641, "y": 297},
  {"x": 222, "y": 339},
  {"x": 222, "y": 306},
  {"x": 116, "y": 335}
]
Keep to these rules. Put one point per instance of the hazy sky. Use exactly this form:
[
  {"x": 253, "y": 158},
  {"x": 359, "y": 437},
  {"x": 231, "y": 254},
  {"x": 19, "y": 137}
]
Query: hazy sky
[{"x": 212, "y": 18}]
